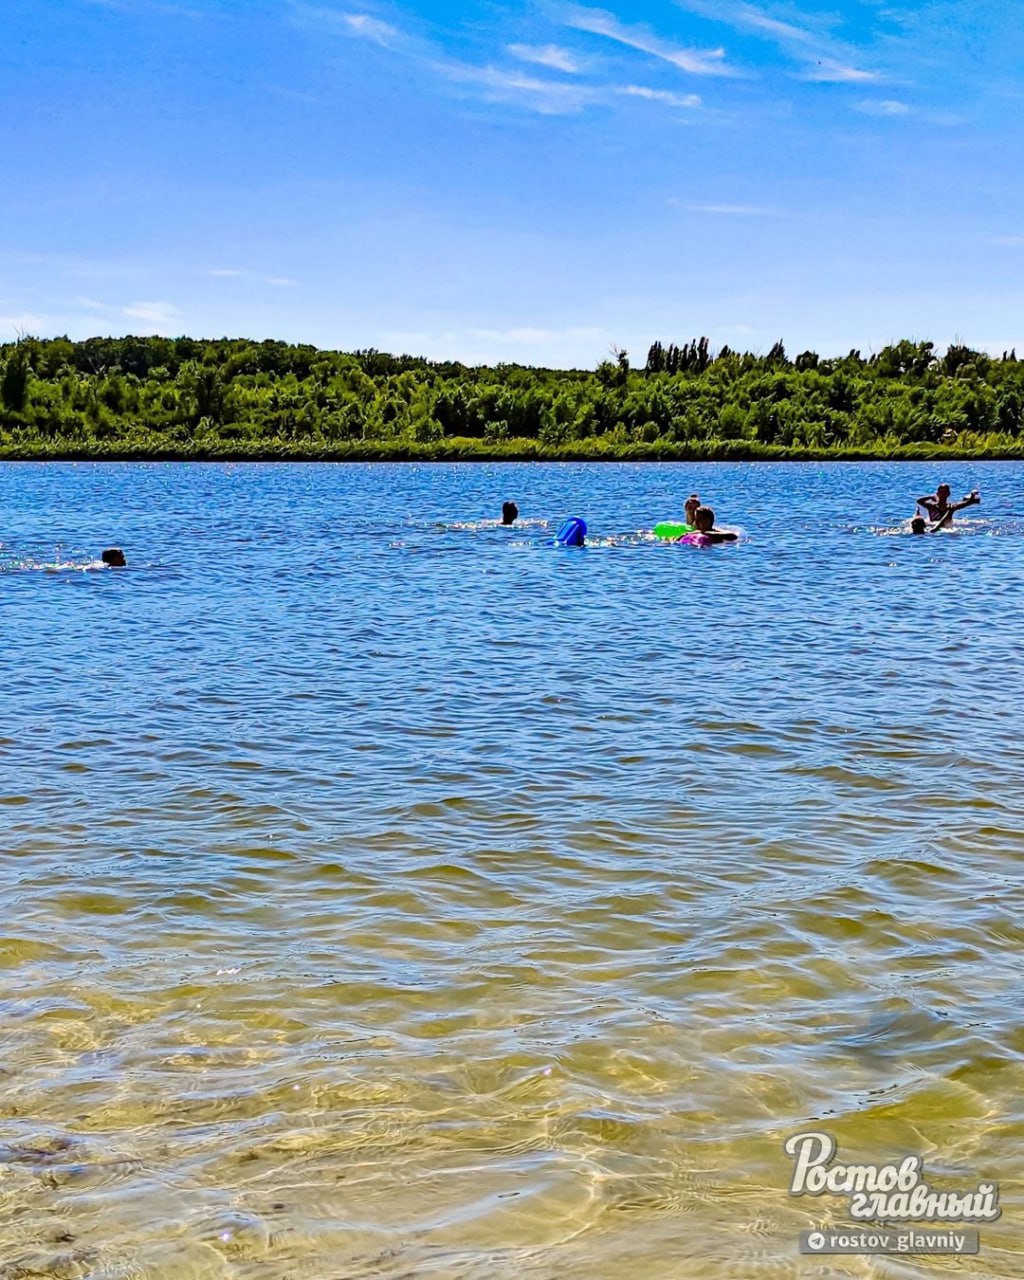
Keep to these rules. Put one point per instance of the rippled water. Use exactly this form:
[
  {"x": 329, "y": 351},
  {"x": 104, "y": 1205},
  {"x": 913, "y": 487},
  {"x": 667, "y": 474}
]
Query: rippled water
[{"x": 389, "y": 894}]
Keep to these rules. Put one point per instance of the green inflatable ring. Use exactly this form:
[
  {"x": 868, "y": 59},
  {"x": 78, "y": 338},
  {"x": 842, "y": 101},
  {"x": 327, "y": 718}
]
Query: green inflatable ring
[{"x": 672, "y": 529}]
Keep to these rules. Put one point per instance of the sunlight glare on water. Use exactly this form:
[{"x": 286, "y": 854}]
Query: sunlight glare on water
[{"x": 390, "y": 894}]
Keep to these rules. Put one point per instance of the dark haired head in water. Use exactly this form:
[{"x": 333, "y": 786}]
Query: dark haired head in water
[
  {"x": 509, "y": 513},
  {"x": 918, "y": 525},
  {"x": 704, "y": 521},
  {"x": 114, "y": 557}
]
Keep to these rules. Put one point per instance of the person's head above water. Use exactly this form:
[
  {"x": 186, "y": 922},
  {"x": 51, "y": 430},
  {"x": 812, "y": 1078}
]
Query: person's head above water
[
  {"x": 114, "y": 557},
  {"x": 942, "y": 492},
  {"x": 509, "y": 513},
  {"x": 692, "y": 503},
  {"x": 918, "y": 525},
  {"x": 704, "y": 519}
]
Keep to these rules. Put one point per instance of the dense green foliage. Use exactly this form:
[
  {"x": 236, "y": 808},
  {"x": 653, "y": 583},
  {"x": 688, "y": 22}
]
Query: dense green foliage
[{"x": 184, "y": 398}]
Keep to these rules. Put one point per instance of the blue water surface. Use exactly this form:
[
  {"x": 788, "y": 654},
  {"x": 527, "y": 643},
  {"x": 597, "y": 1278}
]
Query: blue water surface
[{"x": 582, "y": 873}]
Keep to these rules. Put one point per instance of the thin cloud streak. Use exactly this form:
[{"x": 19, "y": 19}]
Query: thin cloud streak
[
  {"x": 883, "y": 107},
  {"x": 828, "y": 61},
  {"x": 362, "y": 26},
  {"x": 552, "y": 56},
  {"x": 548, "y": 97},
  {"x": 664, "y": 96},
  {"x": 598, "y": 22},
  {"x": 510, "y": 84},
  {"x": 826, "y": 71},
  {"x": 161, "y": 313}
]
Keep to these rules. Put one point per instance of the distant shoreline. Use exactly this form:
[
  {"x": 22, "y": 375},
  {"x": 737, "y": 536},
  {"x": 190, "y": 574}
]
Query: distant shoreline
[
  {"x": 137, "y": 399},
  {"x": 470, "y": 451}
]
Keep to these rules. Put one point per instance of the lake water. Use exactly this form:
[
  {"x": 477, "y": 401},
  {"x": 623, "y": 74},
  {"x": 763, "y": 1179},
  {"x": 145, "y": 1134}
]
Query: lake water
[{"x": 388, "y": 894}]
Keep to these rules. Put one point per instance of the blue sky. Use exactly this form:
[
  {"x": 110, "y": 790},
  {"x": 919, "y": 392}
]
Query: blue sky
[{"x": 514, "y": 181}]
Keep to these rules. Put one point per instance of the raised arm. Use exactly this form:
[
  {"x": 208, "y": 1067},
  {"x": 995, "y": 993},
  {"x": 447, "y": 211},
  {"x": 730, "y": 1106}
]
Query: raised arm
[{"x": 971, "y": 500}]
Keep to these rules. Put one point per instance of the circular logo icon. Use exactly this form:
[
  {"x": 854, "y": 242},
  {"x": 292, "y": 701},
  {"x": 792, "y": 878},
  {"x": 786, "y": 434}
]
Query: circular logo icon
[{"x": 815, "y": 1240}]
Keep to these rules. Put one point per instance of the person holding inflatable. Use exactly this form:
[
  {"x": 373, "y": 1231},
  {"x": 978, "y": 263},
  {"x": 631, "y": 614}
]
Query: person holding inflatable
[
  {"x": 673, "y": 530},
  {"x": 705, "y": 534},
  {"x": 920, "y": 525},
  {"x": 940, "y": 510}
]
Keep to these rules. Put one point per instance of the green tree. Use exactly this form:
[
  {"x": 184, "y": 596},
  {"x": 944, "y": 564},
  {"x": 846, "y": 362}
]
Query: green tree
[{"x": 14, "y": 384}]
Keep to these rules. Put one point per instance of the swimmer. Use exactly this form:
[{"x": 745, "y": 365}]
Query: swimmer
[
  {"x": 509, "y": 513},
  {"x": 939, "y": 508},
  {"x": 113, "y": 558},
  {"x": 704, "y": 523},
  {"x": 692, "y": 503},
  {"x": 920, "y": 525}
]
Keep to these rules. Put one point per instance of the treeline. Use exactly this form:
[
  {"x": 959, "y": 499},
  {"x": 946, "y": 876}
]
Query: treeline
[{"x": 187, "y": 398}]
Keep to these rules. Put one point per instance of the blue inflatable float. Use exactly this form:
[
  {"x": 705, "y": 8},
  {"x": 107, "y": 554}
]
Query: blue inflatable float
[{"x": 573, "y": 533}]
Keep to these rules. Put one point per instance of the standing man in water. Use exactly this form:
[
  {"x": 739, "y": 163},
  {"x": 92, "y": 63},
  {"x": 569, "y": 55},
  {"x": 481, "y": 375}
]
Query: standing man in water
[{"x": 940, "y": 509}]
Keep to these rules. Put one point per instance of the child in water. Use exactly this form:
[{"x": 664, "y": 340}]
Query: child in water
[
  {"x": 691, "y": 507},
  {"x": 920, "y": 525}
]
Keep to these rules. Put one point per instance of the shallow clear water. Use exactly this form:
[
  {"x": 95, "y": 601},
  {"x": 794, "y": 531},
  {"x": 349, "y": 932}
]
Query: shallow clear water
[{"x": 389, "y": 894}]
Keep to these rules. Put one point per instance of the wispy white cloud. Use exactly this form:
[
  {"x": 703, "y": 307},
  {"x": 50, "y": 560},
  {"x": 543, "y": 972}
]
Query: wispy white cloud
[
  {"x": 663, "y": 96},
  {"x": 226, "y": 273},
  {"x": 370, "y": 28},
  {"x": 756, "y": 20},
  {"x": 829, "y": 71},
  {"x": 161, "y": 314},
  {"x": 556, "y": 97},
  {"x": 282, "y": 282},
  {"x": 707, "y": 62},
  {"x": 807, "y": 38},
  {"x": 534, "y": 92},
  {"x": 552, "y": 56},
  {"x": 548, "y": 97},
  {"x": 362, "y": 25},
  {"x": 881, "y": 107}
]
